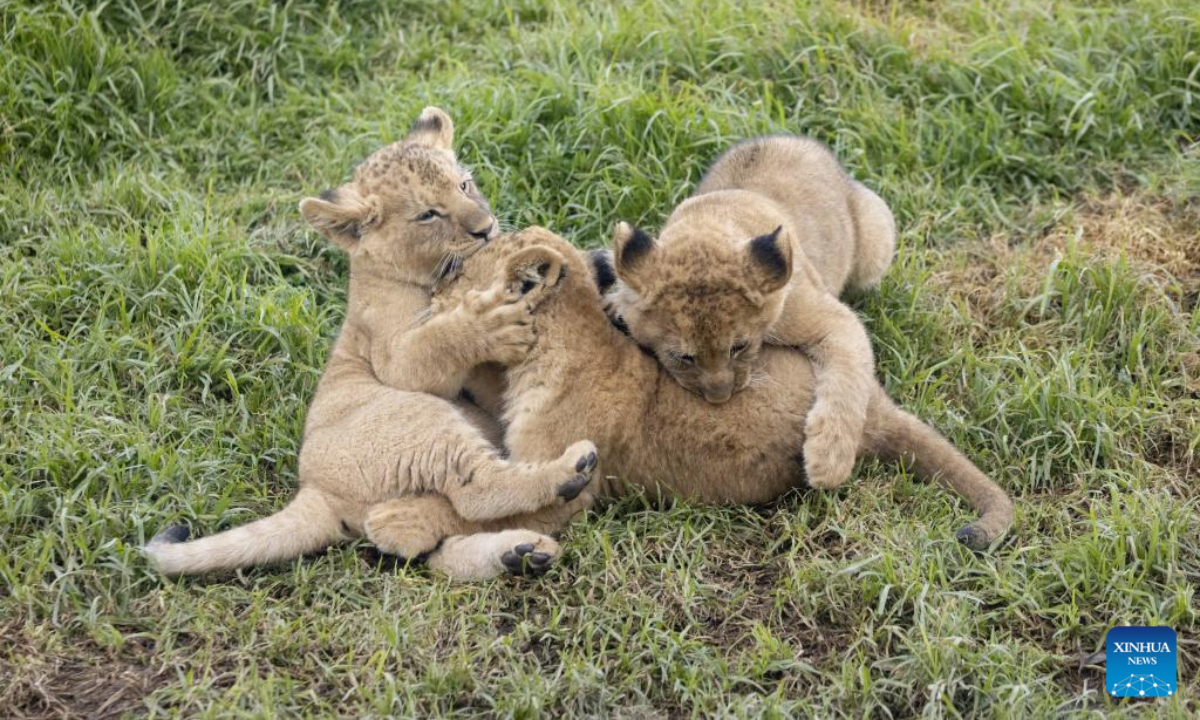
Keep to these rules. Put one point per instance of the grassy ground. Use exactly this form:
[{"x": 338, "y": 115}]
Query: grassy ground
[{"x": 165, "y": 318}]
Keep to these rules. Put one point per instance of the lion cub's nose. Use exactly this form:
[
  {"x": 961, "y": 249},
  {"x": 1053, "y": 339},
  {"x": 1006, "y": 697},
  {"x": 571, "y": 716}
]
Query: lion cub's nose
[
  {"x": 716, "y": 386},
  {"x": 718, "y": 395},
  {"x": 485, "y": 233}
]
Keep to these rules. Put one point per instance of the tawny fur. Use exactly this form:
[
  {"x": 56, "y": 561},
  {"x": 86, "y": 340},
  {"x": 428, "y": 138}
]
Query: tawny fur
[
  {"x": 583, "y": 378},
  {"x": 759, "y": 254},
  {"x": 387, "y": 421}
]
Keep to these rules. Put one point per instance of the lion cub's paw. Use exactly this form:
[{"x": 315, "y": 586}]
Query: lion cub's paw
[
  {"x": 830, "y": 449},
  {"x": 583, "y": 458},
  {"x": 505, "y": 324},
  {"x": 530, "y": 554}
]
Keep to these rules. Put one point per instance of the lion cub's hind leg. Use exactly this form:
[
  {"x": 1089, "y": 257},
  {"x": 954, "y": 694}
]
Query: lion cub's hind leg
[
  {"x": 416, "y": 526},
  {"x": 486, "y": 555},
  {"x": 412, "y": 527},
  {"x": 489, "y": 487}
]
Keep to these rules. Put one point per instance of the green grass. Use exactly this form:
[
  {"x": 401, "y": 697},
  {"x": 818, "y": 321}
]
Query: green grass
[{"x": 165, "y": 317}]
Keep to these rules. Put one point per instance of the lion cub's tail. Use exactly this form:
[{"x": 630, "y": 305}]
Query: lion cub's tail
[
  {"x": 306, "y": 525},
  {"x": 896, "y": 434}
]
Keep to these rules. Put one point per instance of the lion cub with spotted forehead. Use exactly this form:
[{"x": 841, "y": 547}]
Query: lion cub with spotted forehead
[
  {"x": 386, "y": 423},
  {"x": 759, "y": 253}
]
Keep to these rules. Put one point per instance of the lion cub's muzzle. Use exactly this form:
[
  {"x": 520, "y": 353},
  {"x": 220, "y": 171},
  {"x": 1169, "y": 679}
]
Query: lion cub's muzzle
[
  {"x": 717, "y": 387},
  {"x": 718, "y": 396},
  {"x": 480, "y": 223},
  {"x": 488, "y": 231}
]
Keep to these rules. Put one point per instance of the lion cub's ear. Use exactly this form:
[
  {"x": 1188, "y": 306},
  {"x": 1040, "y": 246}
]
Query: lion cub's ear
[
  {"x": 533, "y": 274},
  {"x": 433, "y": 128},
  {"x": 769, "y": 261},
  {"x": 340, "y": 215},
  {"x": 631, "y": 248}
]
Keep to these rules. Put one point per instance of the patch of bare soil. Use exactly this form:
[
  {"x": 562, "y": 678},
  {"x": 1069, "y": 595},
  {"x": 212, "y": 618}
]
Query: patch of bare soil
[{"x": 46, "y": 679}]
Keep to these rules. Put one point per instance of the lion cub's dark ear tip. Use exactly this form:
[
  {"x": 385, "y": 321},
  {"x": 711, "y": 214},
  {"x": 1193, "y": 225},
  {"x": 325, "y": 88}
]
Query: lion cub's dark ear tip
[
  {"x": 766, "y": 252},
  {"x": 639, "y": 236},
  {"x": 429, "y": 120},
  {"x": 606, "y": 277},
  {"x": 636, "y": 246},
  {"x": 330, "y": 195}
]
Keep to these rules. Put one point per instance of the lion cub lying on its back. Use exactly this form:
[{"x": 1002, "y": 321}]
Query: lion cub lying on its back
[
  {"x": 759, "y": 253},
  {"x": 381, "y": 427}
]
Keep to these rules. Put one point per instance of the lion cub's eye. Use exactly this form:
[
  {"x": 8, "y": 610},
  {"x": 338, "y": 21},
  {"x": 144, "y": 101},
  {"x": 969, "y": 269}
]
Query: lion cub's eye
[
  {"x": 428, "y": 215},
  {"x": 681, "y": 358},
  {"x": 738, "y": 348},
  {"x": 465, "y": 184}
]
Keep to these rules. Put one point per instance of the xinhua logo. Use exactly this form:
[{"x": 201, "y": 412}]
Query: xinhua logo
[{"x": 1140, "y": 662}]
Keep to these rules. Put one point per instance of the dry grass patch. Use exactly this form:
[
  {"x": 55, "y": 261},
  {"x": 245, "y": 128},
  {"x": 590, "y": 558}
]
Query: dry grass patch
[
  {"x": 1157, "y": 235},
  {"x": 1160, "y": 234},
  {"x": 924, "y": 28},
  {"x": 1127, "y": 258}
]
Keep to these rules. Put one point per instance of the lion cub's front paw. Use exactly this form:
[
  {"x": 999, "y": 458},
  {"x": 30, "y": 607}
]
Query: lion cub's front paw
[
  {"x": 584, "y": 461},
  {"x": 505, "y": 326},
  {"x": 830, "y": 449}
]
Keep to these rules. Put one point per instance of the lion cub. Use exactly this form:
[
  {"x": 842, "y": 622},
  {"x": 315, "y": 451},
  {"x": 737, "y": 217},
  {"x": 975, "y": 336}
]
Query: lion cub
[
  {"x": 381, "y": 427},
  {"x": 759, "y": 253}
]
